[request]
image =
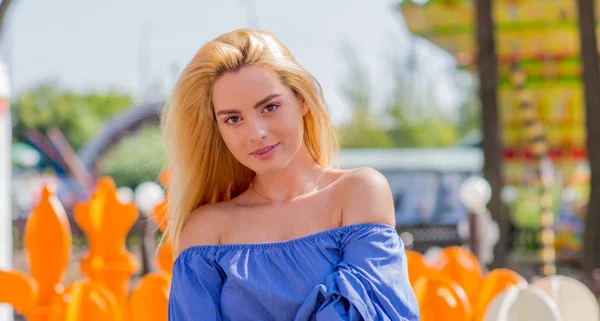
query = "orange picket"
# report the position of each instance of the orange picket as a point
(86, 301)
(417, 267)
(48, 244)
(494, 283)
(165, 255)
(106, 223)
(462, 267)
(48, 247)
(442, 299)
(150, 298)
(20, 291)
(165, 258)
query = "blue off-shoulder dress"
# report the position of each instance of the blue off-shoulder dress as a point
(354, 272)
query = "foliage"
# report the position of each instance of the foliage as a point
(78, 116)
(364, 128)
(136, 158)
(416, 119)
(469, 111)
(413, 117)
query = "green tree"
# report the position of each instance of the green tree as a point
(415, 116)
(411, 116)
(364, 128)
(364, 131)
(469, 109)
(136, 158)
(78, 115)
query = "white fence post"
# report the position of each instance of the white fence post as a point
(6, 246)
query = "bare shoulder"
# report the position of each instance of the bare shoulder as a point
(366, 197)
(203, 226)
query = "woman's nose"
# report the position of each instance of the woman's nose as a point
(258, 130)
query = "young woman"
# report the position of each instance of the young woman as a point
(263, 228)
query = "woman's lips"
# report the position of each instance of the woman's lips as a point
(265, 152)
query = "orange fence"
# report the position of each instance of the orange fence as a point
(453, 287)
(103, 294)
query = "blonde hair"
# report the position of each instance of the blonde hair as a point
(202, 170)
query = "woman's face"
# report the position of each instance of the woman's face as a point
(259, 118)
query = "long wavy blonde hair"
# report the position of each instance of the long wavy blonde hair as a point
(202, 170)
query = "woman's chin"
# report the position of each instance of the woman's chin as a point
(269, 166)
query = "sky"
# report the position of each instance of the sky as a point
(114, 44)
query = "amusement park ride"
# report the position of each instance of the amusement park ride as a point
(540, 40)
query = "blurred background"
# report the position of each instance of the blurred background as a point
(431, 93)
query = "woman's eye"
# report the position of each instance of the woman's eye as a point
(271, 108)
(232, 120)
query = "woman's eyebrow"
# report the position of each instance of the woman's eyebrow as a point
(258, 104)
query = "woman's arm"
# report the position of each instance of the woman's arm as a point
(371, 281)
(197, 279)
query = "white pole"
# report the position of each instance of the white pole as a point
(6, 313)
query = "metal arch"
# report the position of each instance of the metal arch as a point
(121, 125)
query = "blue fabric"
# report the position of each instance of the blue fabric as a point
(355, 272)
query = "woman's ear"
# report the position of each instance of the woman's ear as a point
(303, 105)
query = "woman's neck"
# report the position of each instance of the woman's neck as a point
(297, 179)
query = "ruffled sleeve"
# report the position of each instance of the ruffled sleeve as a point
(369, 283)
(196, 285)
